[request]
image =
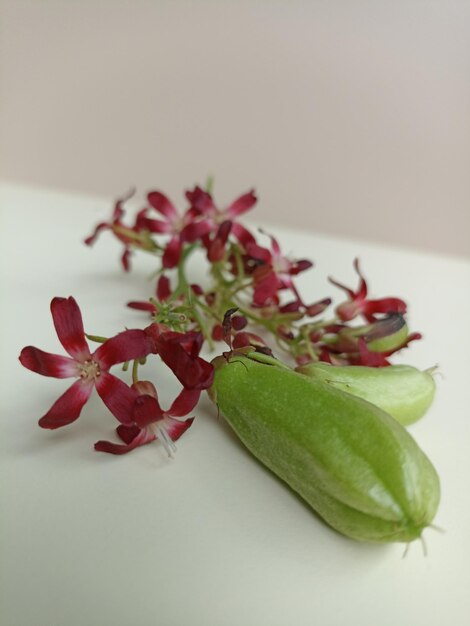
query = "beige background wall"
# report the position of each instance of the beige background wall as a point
(349, 117)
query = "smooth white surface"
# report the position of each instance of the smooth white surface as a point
(209, 538)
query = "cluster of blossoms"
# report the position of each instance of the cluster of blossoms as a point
(252, 288)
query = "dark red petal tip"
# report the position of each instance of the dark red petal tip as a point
(67, 408)
(68, 323)
(48, 364)
(184, 403)
(162, 204)
(132, 436)
(176, 428)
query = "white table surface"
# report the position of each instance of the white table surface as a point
(209, 538)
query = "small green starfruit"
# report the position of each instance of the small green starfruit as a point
(354, 464)
(403, 391)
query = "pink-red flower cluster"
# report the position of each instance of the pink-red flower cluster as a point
(252, 287)
(179, 351)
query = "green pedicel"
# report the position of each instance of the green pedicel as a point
(404, 392)
(354, 464)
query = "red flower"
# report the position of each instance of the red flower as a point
(151, 422)
(90, 369)
(273, 273)
(202, 203)
(180, 228)
(119, 229)
(359, 304)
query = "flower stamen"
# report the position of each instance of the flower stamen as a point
(89, 370)
(162, 434)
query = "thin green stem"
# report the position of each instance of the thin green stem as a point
(135, 371)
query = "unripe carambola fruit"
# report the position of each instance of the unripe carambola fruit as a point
(405, 392)
(355, 465)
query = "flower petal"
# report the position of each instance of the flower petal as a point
(191, 341)
(117, 396)
(127, 433)
(184, 403)
(155, 226)
(125, 346)
(242, 204)
(176, 428)
(348, 310)
(118, 212)
(275, 247)
(216, 249)
(179, 351)
(291, 307)
(243, 235)
(350, 292)
(362, 290)
(172, 253)
(266, 285)
(162, 204)
(145, 388)
(196, 230)
(69, 327)
(299, 266)
(317, 307)
(48, 364)
(152, 333)
(201, 201)
(126, 259)
(146, 411)
(90, 240)
(384, 305)
(141, 438)
(68, 407)
(259, 253)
